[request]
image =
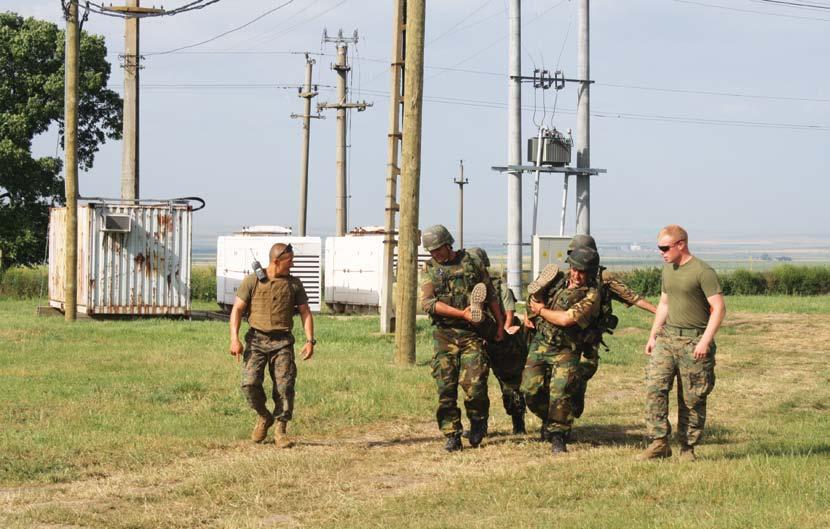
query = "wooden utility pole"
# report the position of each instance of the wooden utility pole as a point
(132, 66)
(71, 67)
(387, 318)
(306, 93)
(342, 68)
(410, 184)
(461, 183)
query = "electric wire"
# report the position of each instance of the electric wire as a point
(263, 15)
(741, 10)
(793, 4)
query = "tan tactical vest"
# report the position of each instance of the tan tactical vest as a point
(272, 305)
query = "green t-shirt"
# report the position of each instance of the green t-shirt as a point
(688, 286)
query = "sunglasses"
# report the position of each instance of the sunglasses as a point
(667, 248)
(287, 249)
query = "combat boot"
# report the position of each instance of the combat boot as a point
(281, 439)
(518, 423)
(687, 453)
(558, 445)
(263, 422)
(477, 297)
(453, 443)
(544, 434)
(543, 280)
(658, 449)
(478, 429)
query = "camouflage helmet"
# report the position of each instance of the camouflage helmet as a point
(582, 241)
(435, 237)
(481, 254)
(584, 259)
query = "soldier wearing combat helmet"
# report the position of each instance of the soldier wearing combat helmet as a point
(569, 307)
(453, 290)
(273, 300)
(609, 288)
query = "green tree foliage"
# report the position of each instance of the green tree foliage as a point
(31, 100)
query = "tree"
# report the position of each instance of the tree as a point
(31, 100)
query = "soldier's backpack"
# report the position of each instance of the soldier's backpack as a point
(606, 321)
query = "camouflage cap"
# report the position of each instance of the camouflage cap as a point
(435, 237)
(584, 259)
(481, 254)
(582, 241)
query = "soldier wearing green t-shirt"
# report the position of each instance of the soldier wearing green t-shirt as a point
(681, 345)
(270, 342)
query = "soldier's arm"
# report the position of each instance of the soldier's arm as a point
(624, 294)
(644, 304)
(235, 321)
(715, 319)
(582, 313)
(431, 305)
(659, 320)
(308, 327)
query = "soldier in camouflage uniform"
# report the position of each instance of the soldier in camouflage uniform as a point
(454, 288)
(571, 303)
(270, 342)
(610, 289)
(682, 346)
(507, 357)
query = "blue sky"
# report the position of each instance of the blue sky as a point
(678, 149)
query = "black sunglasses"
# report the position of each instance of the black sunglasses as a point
(287, 249)
(667, 248)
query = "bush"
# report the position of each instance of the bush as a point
(23, 282)
(203, 283)
(644, 281)
(799, 280)
(744, 283)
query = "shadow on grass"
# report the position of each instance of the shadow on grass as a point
(776, 450)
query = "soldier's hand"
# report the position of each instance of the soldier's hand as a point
(650, 345)
(512, 329)
(535, 306)
(701, 350)
(468, 314)
(236, 349)
(529, 323)
(308, 351)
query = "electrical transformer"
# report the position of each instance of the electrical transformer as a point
(556, 149)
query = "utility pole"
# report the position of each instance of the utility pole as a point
(132, 65)
(583, 123)
(461, 183)
(410, 184)
(342, 68)
(387, 318)
(306, 93)
(514, 150)
(73, 41)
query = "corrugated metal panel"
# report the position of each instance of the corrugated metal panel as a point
(145, 270)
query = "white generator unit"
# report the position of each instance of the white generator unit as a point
(549, 249)
(354, 271)
(235, 254)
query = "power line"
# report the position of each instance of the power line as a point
(739, 10)
(793, 4)
(263, 15)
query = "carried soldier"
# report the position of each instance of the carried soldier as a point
(454, 290)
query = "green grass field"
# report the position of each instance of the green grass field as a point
(140, 424)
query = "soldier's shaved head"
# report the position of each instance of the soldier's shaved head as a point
(675, 231)
(278, 251)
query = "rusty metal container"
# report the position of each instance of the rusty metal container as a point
(132, 259)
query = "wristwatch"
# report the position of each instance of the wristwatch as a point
(313, 341)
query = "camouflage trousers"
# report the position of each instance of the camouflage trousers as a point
(459, 359)
(587, 368)
(276, 353)
(672, 357)
(507, 360)
(548, 382)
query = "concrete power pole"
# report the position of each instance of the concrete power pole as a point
(410, 184)
(461, 183)
(306, 93)
(342, 68)
(132, 65)
(583, 123)
(71, 160)
(387, 319)
(514, 150)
